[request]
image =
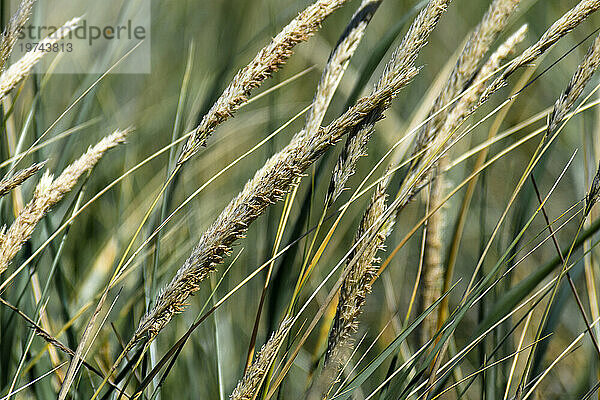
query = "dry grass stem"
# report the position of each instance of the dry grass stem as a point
(48, 193)
(22, 68)
(40, 331)
(276, 177)
(576, 85)
(267, 61)
(9, 183)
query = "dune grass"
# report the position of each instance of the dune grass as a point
(396, 200)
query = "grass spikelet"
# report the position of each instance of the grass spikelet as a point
(471, 98)
(576, 85)
(354, 290)
(276, 177)
(402, 63)
(560, 28)
(22, 68)
(9, 183)
(338, 62)
(358, 281)
(48, 192)
(267, 61)
(478, 44)
(355, 147)
(248, 386)
(467, 104)
(11, 32)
